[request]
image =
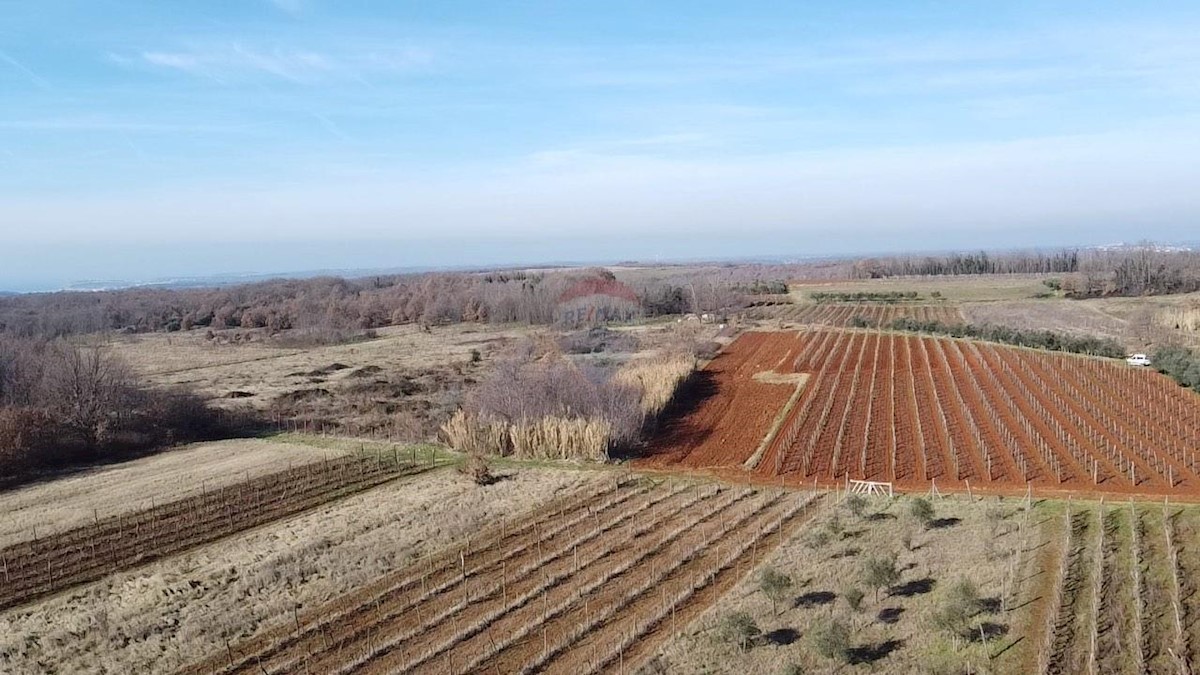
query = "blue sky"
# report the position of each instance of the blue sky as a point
(471, 132)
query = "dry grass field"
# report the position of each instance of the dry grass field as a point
(167, 614)
(1138, 323)
(79, 498)
(987, 542)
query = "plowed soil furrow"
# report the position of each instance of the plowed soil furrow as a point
(977, 387)
(968, 452)
(939, 446)
(683, 597)
(1069, 650)
(1038, 433)
(89, 553)
(910, 451)
(824, 461)
(1038, 395)
(1115, 642)
(557, 615)
(808, 414)
(508, 549)
(1074, 417)
(401, 644)
(1138, 426)
(849, 431)
(616, 605)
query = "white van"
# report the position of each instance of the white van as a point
(1138, 360)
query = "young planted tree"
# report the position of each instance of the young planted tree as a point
(739, 628)
(922, 511)
(959, 605)
(775, 585)
(831, 640)
(880, 572)
(854, 597)
(857, 504)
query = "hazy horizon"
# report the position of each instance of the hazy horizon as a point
(140, 141)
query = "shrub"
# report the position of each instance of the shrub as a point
(959, 605)
(880, 572)
(857, 504)
(1180, 364)
(477, 469)
(739, 628)
(921, 511)
(775, 585)
(818, 538)
(1040, 339)
(854, 597)
(831, 639)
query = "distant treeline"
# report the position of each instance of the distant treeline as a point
(983, 262)
(63, 404)
(1040, 339)
(1141, 270)
(334, 309)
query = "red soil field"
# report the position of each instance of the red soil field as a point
(843, 314)
(917, 410)
(588, 583)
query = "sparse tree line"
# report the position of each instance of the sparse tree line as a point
(1040, 339)
(327, 310)
(887, 297)
(62, 404)
(1140, 270)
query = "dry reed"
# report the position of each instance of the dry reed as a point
(1182, 318)
(546, 438)
(657, 379)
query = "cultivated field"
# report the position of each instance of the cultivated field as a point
(916, 410)
(849, 314)
(58, 561)
(165, 614)
(77, 499)
(992, 543)
(592, 582)
(1122, 592)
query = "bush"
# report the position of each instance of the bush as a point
(831, 640)
(854, 597)
(880, 572)
(857, 504)
(477, 469)
(739, 628)
(921, 511)
(775, 585)
(959, 605)
(1040, 339)
(1180, 364)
